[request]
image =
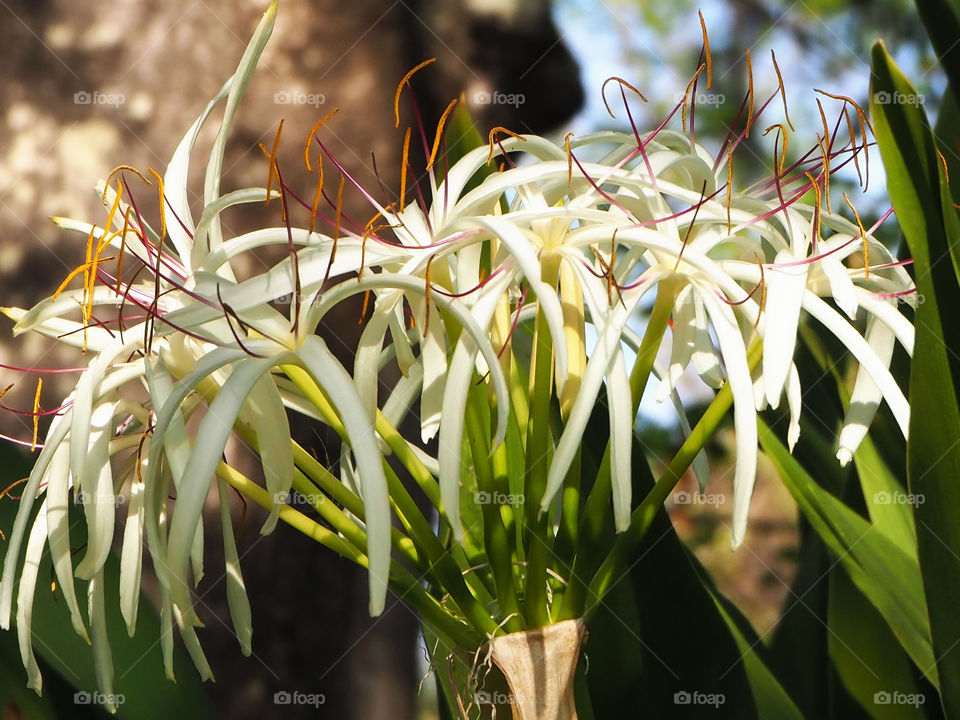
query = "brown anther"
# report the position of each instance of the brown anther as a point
(706, 50)
(404, 81)
(491, 140)
(439, 136)
(623, 83)
(310, 135)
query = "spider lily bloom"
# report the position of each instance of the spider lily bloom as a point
(190, 331)
(579, 234)
(659, 211)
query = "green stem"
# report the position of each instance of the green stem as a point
(495, 539)
(596, 514)
(402, 582)
(643, 515)
(441, 564)
(538, 543)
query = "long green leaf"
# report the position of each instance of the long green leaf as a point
(882, 571)
(924, 208)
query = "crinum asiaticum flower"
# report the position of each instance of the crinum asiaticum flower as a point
(576, 234)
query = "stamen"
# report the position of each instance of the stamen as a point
(783, 89)
(783, 150)
(750, 91)
(403, 168)
(864, 123)
(706, 50)
(336, 230)
(317, 193)
(686, 237)
(566, 144)
(816, 211)
(36, 415)
(439, 136)
(163, 215)
(729, 187)
(313, 131)
(825, 147)
(623, 83)
(501, 130)
(272, 158)
(426, 315)
(123, 247)
(404, 81)
(363, 312)
(118, 169)
(686, 93)
(853, 145)
(863, 235)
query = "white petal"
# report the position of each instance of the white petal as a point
(744, 415)
(237, 598)
(337, 385)
(28, 583)
(866, 396)
(785, 289)
(131, 558)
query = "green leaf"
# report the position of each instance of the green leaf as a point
(867, 657)
(929, 222)
(883, 572)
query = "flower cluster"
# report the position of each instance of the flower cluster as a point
(454, 284)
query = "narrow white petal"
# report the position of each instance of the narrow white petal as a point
(237, 598)
(102, 656)
(865, 355)
(866, 395)
(131, 558)
(266, 413)
(211, 438)
(28, 583)
(744, 415)
(95, 493)
(785, 288)
(336, 383)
